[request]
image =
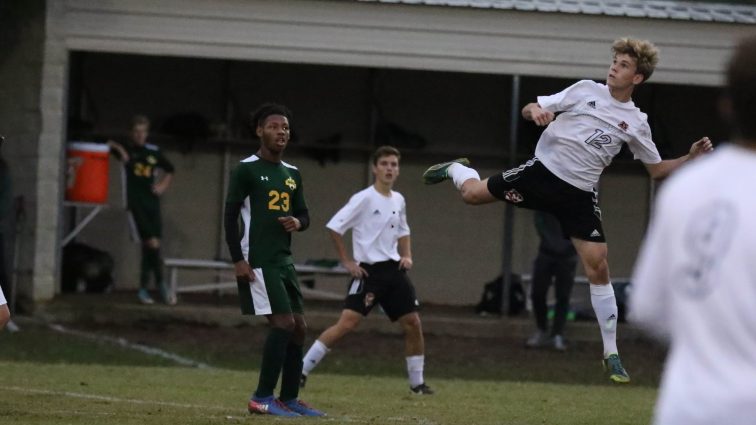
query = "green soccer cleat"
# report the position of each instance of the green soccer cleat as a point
(617, 373)
(437, 173)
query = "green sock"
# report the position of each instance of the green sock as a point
(156, 264)
(144, 269)
(274, 352)
(292, 371)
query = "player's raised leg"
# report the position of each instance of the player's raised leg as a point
(594, 258)
(347, 322)
(473, 190)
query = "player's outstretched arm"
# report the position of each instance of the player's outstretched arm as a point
(534, 112)
(663, 169)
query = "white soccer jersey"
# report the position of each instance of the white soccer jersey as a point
(377, 223)
(2, 297)
(695, 281)
(589, 133)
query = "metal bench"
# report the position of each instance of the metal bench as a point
(174, 264)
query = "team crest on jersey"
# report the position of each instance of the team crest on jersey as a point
(623, 125)
(513, 196)
(151, 159)
(291, 183)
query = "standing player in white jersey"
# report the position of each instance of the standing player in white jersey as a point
(4, 312)
(381, 257)
(574, 149)
(695, 280)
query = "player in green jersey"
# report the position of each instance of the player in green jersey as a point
(268, 194)
(148, 175)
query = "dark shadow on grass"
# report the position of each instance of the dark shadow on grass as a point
(378, 354)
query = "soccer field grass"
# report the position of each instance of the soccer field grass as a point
(51, 378)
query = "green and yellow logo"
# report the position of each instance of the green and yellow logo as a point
(152, 160)
(291, 183)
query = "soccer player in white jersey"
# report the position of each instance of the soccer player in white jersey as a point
(381, 257)
(576, 146)
(4, 312)
(695, 279)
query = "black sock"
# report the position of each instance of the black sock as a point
(292, 371)
(274, 354)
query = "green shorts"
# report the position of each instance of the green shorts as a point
(275, 290)
(145, 220)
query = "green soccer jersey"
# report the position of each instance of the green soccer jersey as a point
(267, 191)
(140, 173)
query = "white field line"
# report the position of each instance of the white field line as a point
(122, 342)
(337, 419)
(111, 399)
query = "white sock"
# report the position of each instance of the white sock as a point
(460, 174)
(314, 355)
(415, 365)
(605, 307)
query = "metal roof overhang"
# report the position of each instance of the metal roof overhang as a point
(384, 35)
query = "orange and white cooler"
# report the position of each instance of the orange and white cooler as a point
(87, 172)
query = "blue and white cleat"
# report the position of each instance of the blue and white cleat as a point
(269, 406)
(299, 406)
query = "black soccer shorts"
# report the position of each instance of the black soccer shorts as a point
(533, 186)
(386, 285)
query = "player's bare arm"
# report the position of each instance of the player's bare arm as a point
(534, 112)
(122, 154)
(290, 224)
(664, 168)
(354, 268)
(405, 253)
(243, 270)
(161, 186)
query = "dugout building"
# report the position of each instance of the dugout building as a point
(437, 78)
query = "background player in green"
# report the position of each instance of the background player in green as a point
(148, 175)
(268, 193)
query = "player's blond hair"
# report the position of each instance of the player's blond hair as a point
(644, 52)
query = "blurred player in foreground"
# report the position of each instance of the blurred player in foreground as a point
(695, 280)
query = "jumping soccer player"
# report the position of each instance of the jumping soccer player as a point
(381, 258)
(269, 195)
(574, 149)
(148, 176)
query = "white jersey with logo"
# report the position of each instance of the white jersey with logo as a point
(589, 133)
(377, 223)
(2, 297)
(695, 281)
